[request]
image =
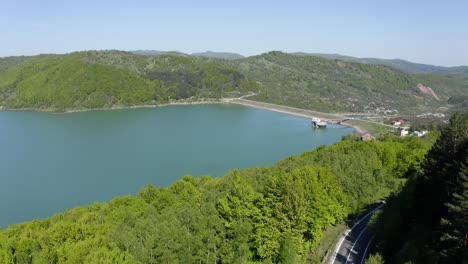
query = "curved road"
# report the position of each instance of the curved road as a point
(354, 243)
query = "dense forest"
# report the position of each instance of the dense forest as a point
(406, 66)
(274, 214)
(104, 79)
(426, 221)
(334, 85)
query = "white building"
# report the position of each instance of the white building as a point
(420, 133)
(403, 132)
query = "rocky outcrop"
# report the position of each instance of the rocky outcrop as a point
(427, 91)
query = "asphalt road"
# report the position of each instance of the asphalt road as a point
(354, 243)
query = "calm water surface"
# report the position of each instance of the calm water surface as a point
(49, 162)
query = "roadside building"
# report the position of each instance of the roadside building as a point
(420, 133)
(403, 131)
(398, 122)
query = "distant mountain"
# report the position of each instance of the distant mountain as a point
(158, 53)
(103, 79)
(317, 83)
(219, 55)
(207, 54)
(407, 66)
(9, 62)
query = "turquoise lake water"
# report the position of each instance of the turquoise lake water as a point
(51, 162)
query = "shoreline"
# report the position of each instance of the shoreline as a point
(55, 112)
(295, 112)
(213, 101)
(239, 101)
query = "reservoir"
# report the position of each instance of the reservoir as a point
(51, 162)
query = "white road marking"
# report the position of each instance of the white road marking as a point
(365, 251)
(349, 230)
(351, 251)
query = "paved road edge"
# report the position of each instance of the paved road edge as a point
(345, 233)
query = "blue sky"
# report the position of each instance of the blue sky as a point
(434, 32)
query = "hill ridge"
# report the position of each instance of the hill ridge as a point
(111, 78)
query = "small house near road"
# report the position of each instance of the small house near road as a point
(398, 122)
(404, 131)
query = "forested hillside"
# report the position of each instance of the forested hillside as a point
(9, 62)
(104, 79)
(274, 214)
(335, 85)
(427, 220)
(406, 66)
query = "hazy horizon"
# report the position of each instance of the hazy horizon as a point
(427, 32)
(190, 53)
